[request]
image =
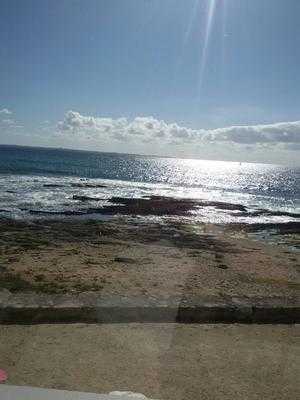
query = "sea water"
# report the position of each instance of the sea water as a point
(44, 179)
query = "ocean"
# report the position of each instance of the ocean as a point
(40, 179)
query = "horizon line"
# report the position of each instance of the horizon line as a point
(139, 155)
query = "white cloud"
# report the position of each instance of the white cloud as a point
(76, 123)
(142, 128)
(146, 129)
(7, 122)
(5, 111)
(283, 132)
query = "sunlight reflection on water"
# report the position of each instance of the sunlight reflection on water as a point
(25, 180)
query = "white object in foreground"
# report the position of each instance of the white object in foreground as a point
(8, 392)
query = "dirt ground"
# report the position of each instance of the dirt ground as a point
(133, 259)
(163, 361)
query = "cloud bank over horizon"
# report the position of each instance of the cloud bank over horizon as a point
(150, 129)
(5, 111)
(275, 143)
(7, 121)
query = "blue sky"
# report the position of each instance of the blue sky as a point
(193, 67)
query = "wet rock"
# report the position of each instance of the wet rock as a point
(43, 212)
(53, 185)
(269, 213)
(223, 206)
(86, 198)
(158, 205)
(87, 185)
(154, 205)
(283, 228)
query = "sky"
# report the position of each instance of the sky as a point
(208, 79)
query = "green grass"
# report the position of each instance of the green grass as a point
(279, 282)
(15, 283)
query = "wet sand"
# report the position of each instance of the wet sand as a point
(134, 257)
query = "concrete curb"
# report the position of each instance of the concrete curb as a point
(11, 392)
(93, 308)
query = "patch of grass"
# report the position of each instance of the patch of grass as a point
(25, 242)
(279, 282)
(87, 287)
(49, 288)
(14, 283)
(39, 278)
(30, 242)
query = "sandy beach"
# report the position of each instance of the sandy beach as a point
(133, 257)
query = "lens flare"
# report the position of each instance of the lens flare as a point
(191, 22)
(207, 34)
(186, 37)
(205, 20)
(224, 40)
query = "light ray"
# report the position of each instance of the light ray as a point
(191, 22)
(207, 34)
(187, 35)
(224, 39)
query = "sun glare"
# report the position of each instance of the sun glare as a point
(207, 34)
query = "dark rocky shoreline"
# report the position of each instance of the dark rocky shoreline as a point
(163, 206)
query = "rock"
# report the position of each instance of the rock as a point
(282, 228)
(43, 212)
(269, 213)
(85, 198)
(2, 269)
(53, 185)
(126, 260)
(160, 205)
(87, 185)
(222, 266)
